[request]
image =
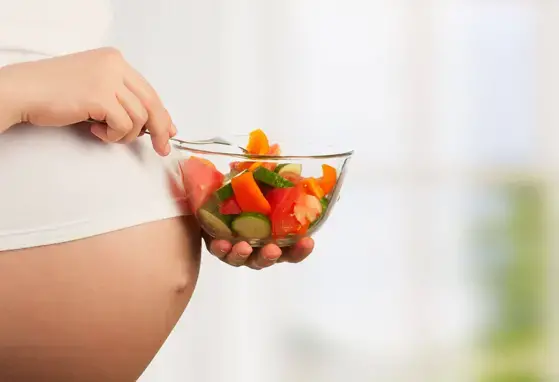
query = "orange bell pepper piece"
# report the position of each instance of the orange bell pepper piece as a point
(258, 143)
(312, 187)
(248, 194)
(328, 180)
(254, 166)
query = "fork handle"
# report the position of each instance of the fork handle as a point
(142, 132)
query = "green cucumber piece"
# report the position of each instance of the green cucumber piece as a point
(271, 178)
(289, 167)
(225, 192)
(324, 202)
(217, 223)
(252, 226)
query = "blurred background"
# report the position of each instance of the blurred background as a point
(440, 261)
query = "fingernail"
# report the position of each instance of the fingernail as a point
(167, 148)
(274, 256)
(243, 257)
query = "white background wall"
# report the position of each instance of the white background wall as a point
(430, 94)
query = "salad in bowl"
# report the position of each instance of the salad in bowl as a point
(259, 195)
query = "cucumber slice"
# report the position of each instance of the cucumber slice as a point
(290, 167)
(217, 223)
(271, 178)
(252, 226)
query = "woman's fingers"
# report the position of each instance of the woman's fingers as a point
(264, 258)
(220, 248)
(299, 251)
(159, 122)
(118, 122)
(136, 111)
(239, 254)
(243, 254)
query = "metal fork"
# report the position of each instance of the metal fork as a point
(210, 141)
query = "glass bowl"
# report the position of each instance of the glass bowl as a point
(260, 199)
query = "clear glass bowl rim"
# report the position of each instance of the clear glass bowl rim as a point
(198, 148)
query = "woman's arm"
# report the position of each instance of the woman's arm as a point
(97, 84)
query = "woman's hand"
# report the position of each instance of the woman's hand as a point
(242, 254)
(97, 84)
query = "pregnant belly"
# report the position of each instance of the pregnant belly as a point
(96, 309)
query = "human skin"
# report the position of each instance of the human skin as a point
(99, 308)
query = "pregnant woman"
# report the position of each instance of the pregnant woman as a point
(97, 262)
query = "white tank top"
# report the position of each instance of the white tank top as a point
(62, 184)
(54, 27)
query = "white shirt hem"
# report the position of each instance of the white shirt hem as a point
(105, 223)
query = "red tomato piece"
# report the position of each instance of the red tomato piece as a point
(230, 207)
(275, 150)
(277, 195)
(285, 224)
(269, 166)
(292, 177)
(283, 220)
(200, 179)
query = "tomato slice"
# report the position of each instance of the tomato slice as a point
(276, 195)
(292, 177)
(283, 225)
(274, 150)
(200, 180)
(230, 207)
(283, 219)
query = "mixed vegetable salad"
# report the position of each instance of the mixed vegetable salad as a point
(257, 200)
